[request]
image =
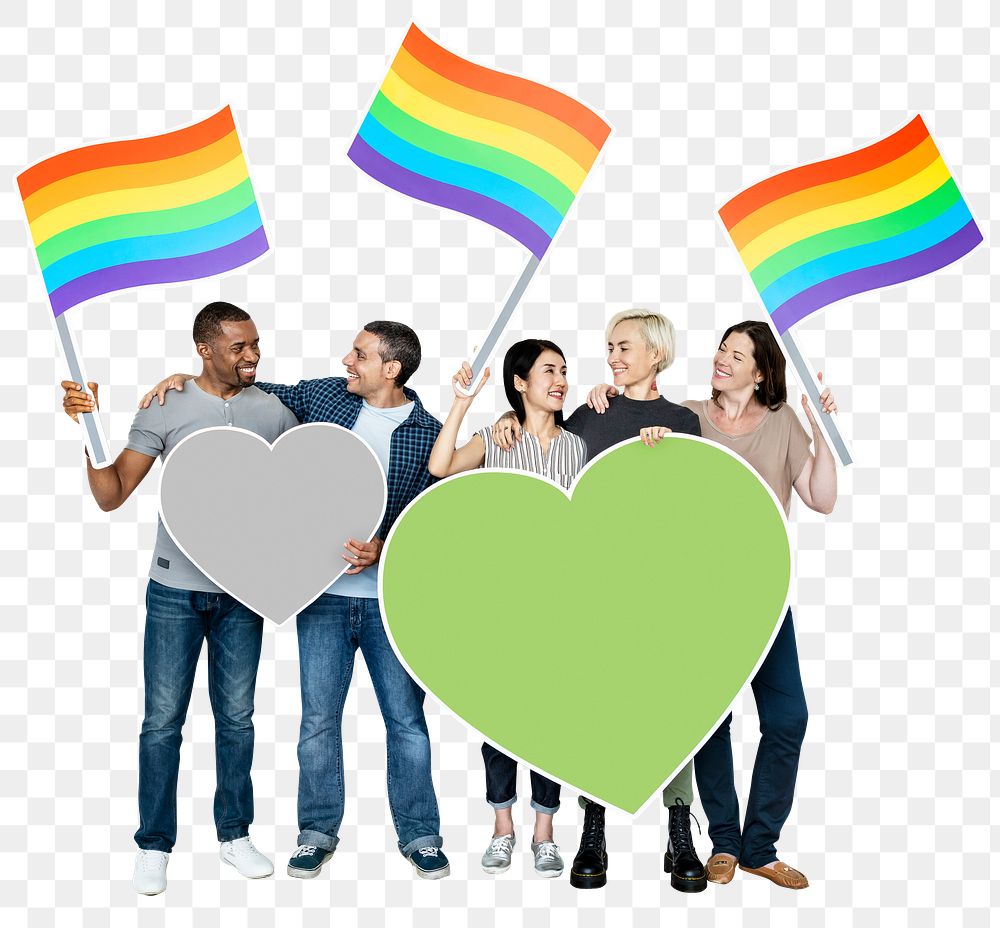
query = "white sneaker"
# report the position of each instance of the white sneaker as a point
(496, 859)
(242, 855)
(150, 876)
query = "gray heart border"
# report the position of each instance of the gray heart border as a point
(271, 446)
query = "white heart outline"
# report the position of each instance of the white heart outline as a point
(271, 446)
(674, 436)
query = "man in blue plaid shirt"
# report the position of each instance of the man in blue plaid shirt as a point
(373, 402)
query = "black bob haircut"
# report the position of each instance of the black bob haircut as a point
(518, 361)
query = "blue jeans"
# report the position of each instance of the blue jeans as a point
(177, 622)
(781, 707)
(501, 783)
(330, 630)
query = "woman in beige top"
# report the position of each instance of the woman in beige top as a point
(748, 414)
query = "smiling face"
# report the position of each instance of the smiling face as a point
(366, 371)
(231, 358)
(631, 360)
(545, 387)
(733, 368)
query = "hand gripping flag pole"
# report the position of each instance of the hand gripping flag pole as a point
(94, 438)
(499, 148)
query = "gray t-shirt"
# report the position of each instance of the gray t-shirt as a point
(157, 430)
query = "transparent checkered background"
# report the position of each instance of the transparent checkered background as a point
(894, 818)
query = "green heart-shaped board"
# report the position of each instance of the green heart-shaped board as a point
(598, 638)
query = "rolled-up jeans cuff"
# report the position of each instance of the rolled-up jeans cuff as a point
(318, 839)
(506, 804)
(546, 810)
(157, 844)
(427, 841)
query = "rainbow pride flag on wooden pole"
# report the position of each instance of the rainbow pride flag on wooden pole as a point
(499, 148)
(872, 218)
(123, 214)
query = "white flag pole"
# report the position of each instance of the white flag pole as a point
(810, 385)
(501, 320)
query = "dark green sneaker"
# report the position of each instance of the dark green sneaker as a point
(307, 861)
(430, 863)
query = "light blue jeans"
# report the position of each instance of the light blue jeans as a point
(330, 631)
(178, 622)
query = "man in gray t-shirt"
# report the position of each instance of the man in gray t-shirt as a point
(157, 429)
(184, 608)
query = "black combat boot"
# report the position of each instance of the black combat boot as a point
(686, 872)
(590, 866)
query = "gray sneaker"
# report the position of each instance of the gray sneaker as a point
(498, 854)
(548, 863)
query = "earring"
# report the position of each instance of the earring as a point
(756, 388)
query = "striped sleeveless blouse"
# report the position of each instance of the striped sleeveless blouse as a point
(565, 459)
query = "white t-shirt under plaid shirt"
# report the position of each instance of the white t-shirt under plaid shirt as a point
(565, 458)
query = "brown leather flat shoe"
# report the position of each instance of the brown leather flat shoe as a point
(721, 868)
(781, 874)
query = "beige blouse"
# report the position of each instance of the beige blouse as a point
(777, 449)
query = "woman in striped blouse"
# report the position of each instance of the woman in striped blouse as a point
(534, 379)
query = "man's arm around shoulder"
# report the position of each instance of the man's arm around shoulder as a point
(299, 397)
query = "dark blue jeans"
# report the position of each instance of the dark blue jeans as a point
(330, 631)
(501, 783)
(781, 707)
(177, 622)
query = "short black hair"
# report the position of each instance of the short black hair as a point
(208, 323)
(397, 342)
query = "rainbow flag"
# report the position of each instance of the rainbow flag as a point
(156, 210)
(503, 149)
(871, 218)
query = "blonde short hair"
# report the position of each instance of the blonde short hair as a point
(657, 332)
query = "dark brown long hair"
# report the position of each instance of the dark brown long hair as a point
(767, 358)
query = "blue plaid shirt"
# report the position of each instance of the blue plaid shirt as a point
(328, 400)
